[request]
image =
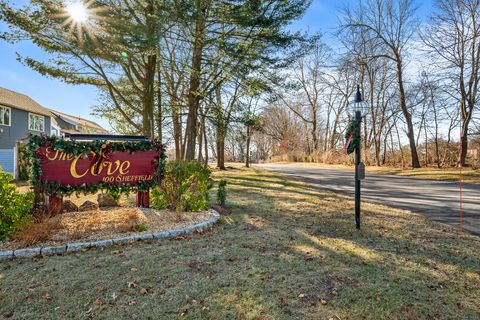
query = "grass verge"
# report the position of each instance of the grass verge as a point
(288, 251)
(448, 174)
(452, 174)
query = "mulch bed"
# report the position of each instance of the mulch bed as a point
(106, 223)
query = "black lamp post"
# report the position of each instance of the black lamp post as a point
(358, 106)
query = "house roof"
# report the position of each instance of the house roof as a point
(20, 101)
(80, 121)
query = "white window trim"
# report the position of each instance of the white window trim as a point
(57, 129)
(38, 115)
(9, 118)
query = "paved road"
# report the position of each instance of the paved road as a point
(438, 200)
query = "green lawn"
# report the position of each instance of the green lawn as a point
(288, 251)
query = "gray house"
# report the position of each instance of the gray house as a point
(19, 115)
(63, 123)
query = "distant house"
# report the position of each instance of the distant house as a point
(21, 115)
(64, 123)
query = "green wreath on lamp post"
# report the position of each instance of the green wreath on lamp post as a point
(352, 136)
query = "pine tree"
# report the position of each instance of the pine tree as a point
(113, 46)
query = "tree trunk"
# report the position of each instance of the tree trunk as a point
(247, 156)
(377, 150)
(437, 153)
(365, 140)
(399, 144)
(220, 149)
(426, 145)
(148, 99)
(407, 115)
(462, 161)
(177, 130)
(200, 138)
(314, 131)
(193, 92)
(205, 143)
(466, 118)
(159, 105)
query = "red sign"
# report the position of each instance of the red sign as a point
(113, 168)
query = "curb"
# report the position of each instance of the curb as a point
(81, 246)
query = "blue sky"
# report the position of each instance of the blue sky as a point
(78, 100)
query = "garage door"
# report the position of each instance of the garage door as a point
(7, 160)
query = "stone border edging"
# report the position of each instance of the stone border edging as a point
(79, 246)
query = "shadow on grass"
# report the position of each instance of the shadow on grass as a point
(288, 251)
(430, 255)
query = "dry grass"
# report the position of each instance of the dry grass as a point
(448, 174)
(128, 225)
(96, 225)
(288, 251)
(468, 175)
(35, 233)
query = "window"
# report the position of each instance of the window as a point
(5, 115)
(36, 122)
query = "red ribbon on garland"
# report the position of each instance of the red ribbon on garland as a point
(345, 148)
(352, 136)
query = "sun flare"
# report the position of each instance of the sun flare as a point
(78, 11)
(80, 18)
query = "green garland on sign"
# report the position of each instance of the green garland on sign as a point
(353, 130)
(83, 148)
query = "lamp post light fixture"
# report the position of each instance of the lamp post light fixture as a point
(356, 107)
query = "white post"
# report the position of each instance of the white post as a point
(15, 161)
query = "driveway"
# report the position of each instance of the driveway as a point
(439, 200)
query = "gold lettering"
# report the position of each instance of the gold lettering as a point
(97, 168)
(73, 169)
(124, 167)
(109, 170)
(48, 150)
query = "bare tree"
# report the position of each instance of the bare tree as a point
(391, 25)
(453, 36)
(307, 75)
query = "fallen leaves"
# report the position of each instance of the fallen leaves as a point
(89, 313)
(114, 298)
(190, 300)
(409, 314)
(232, 259)
(266, 277)
(181, 238)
